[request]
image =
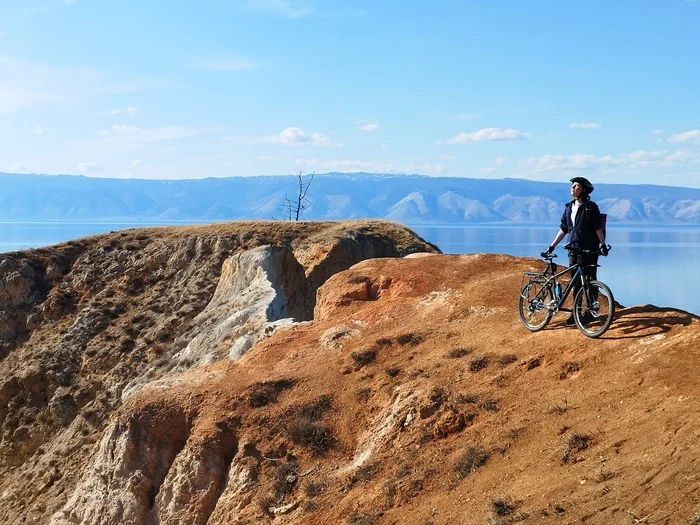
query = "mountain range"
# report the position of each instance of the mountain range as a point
(413, 199)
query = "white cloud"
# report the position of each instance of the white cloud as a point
(38, 130)
(346, 165)
(285, 8)
(499, 160)
(488, 134)
(138, 163)
(293, 136)
(370, 127)
(131, 111)
(89, 167)
(634, 160)
(585, 125)
(225, 63)
(686, 136)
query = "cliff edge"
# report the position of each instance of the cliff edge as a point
(86, 324)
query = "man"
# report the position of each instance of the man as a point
(581, 220)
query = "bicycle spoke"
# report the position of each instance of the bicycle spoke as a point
(594, 307)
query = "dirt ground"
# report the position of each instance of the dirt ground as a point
(415, 396)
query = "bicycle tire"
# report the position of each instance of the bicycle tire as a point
(532, 306)
(600, 317)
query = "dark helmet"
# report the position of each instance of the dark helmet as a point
(585, 183)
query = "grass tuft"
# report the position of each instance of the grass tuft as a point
(575, 443)
(458, 352)
(360, 518)
(409, 339)
(392, 371)
(507, 359)
(313, 489)
(364, 358)
(266, 392)
(603, 475)
(470, 460)
(505, 506)
(478, 363)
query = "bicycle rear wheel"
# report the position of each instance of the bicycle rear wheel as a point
(532, 306)
(594, 314)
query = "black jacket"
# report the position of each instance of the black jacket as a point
(588, 220)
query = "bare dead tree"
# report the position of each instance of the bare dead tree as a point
(292, 207)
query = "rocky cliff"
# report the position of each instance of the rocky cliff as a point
(85, 324)
(412, 396)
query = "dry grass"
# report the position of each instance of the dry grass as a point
(470, 460)
(315, 436)
(360, 518)
(478, 363)
(490, 404)
(285, 478)
(507, 359)
(458, 352)
(314, 489)
(364, 357)
(575, 443)
(266, 392)
(392, 371)
(466, 399)
(568, 369)
(503, 511)
(603, 475)
(363, 473)
(409, 339)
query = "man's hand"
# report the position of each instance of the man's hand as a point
(604, 249)
(547, 252)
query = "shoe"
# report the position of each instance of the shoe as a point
(587, 318)
(570, 321)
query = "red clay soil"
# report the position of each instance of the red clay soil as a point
(415, 396)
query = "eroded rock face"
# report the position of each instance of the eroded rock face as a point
(258, 290)
(87, 323)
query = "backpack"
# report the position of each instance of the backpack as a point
(603, 219)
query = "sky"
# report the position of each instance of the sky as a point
(541, 90)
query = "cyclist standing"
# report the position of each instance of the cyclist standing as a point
(582, 221)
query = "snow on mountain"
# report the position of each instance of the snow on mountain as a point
(410, 199)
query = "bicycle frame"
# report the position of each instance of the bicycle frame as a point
(549, 283)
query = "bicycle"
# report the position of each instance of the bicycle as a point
(541, 297)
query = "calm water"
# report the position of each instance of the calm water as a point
(646, 265)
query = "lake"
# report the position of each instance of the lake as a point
(648, 264)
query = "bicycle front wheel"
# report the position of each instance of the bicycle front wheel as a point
(594, 308)
(532, 308)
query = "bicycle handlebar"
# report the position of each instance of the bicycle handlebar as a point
(548, 256)
(586, 252)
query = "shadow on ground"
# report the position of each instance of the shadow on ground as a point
(641, 321)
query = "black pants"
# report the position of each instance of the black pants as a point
(590, 271)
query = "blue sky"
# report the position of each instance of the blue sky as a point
(540, 90)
